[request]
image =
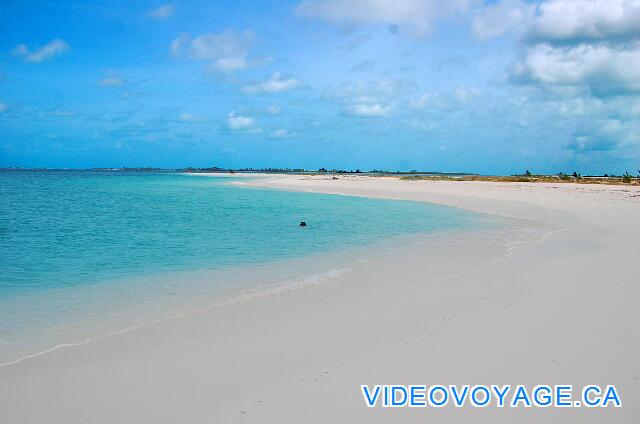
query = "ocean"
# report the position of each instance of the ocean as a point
(85, 254)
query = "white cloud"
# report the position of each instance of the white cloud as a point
(275, 84)
(421, 124)
(384, 90)
(225, 52)
(112, 81)
(237, 122)
(465, 94)
(177, 44)
(228, 44)
(229, 64)
(281, 133)
(605, 70)
(417, 14)
(48, 51)
(506, 15)
(191, 118)
(579, 46)
(162, 13)
(562, 20)
(373, 98)
(369, 110)
(603, 135)
(274, 110)
(21, 50)
(3, 107)
(421, 101)
(444, 101)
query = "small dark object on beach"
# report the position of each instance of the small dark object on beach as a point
(303, 224)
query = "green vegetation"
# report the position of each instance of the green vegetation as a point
(529, 177)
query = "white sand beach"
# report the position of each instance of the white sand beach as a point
(560, 309)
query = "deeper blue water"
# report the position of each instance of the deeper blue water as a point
(64, 232)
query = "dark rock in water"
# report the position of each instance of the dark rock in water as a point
(303, 224)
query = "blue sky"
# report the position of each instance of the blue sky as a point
(461, 85)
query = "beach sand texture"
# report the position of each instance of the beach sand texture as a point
(560, 309)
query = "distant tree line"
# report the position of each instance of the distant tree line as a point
(626, 177)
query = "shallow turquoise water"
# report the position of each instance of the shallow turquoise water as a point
(74, 228)
(84, 253)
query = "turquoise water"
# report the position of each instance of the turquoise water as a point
(75, 245)
(74, 228)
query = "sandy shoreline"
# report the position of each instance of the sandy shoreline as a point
(562, 311)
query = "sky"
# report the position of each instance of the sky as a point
(493, 87)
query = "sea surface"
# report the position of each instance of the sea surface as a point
(85, 254)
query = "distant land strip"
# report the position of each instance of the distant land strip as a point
(413, 175)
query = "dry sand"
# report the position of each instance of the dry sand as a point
(563, 309)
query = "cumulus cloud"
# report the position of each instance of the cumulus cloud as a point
(587, 143)
(48, 51)
(603, 135)
(421, 124)
(237, 122)
(419, 15)
(162, 13)
(228, 64)
(281, 133)
(376, 91)
(112, 81)
(276, 84)
(501, 17)
(578, 46)
(178, 44)
(603, 69)
(442, 100)
(227, 44)
(420, 101)
(224, 52)
(575, 20)
(369, 110)
(373, 98)
(465, 94)
(274, 110)
(559, 21)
